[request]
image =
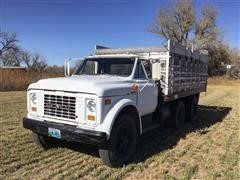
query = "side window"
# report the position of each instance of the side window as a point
(139, 73)
(90, 68)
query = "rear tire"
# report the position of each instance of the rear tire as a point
(191, 108)
(178, 114)
(122, 142)
(43, 141)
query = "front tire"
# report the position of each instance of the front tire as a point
(43, 141)
(122, 142)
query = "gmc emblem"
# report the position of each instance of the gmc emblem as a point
(57, 106)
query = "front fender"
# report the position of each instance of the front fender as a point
(107, 124)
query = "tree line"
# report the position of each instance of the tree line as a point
(11, 54)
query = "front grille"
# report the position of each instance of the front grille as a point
(60, 106)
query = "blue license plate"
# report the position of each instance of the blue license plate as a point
(56, 133)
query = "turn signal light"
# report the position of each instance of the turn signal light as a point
(134, 87)
(107, 101)
(91, 118)
(34, 109)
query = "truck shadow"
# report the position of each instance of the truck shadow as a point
(166, 138)
(163, 138)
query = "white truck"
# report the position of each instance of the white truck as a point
(116, 95)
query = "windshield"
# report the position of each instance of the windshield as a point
(112, 66)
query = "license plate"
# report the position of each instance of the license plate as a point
(56, 133)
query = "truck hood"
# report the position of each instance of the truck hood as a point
(101, 85)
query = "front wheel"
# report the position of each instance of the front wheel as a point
(43, 141)
(122, 142)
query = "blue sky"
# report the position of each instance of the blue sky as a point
(59, 29)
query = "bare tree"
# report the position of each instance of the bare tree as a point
(181, 25)
(206, 32)
(12, 55)
(26, 58)
(175, 23)
(38, 63)
(10, 58)
(8, 42)
(34, 62)
(9, 51)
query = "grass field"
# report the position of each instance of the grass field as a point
(206, 149)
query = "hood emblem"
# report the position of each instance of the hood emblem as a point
(57, 106)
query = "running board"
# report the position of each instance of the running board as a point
(150, 127)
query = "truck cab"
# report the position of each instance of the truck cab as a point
(86, 106)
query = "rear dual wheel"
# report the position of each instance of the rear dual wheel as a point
(191, 108)
(178, 114)
(182, 112)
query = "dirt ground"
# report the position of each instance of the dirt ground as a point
(206, 149)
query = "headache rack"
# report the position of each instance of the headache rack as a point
(181, 70)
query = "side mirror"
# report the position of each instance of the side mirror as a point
(67, 67)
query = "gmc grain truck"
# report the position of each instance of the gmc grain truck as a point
(116, 95)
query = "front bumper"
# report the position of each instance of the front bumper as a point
(68, 132)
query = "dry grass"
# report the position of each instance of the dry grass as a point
(12, 78)
(223, 81)
(206, 149)
(15, 81)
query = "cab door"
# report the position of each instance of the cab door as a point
(147, 90)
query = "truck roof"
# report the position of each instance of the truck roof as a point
(112, 56)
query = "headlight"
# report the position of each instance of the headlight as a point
(91, 105)
(33, 98)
